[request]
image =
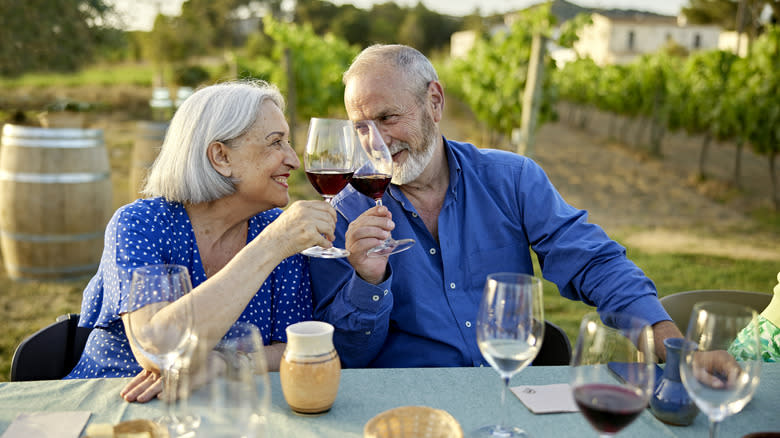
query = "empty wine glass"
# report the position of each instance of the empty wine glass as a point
(373, 172)
(159, 331)
(510, 329)
(719, 384)
(239, 396)
(328, 160)
(612, 370)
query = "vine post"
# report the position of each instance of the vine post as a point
(291, 97)
(532, 96)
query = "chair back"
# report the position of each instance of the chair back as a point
(51, 352)
(679, 305)
(556, 348)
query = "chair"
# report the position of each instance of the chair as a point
(679, 305)
(556, 348)
(51, 352)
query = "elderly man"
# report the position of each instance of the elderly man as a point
(472, 212)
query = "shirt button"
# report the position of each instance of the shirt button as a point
(452, 285)
(468, 323)
(375, 298)
(432, 251)
(368, 333)
(414, 214)
(386, 291)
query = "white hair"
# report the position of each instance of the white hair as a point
(418, 69)
(182, 171)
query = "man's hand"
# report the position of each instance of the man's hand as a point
(716, 369)
(661, 331)
(364, 233)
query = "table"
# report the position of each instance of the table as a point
(471, 395)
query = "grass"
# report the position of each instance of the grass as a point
(134, 74)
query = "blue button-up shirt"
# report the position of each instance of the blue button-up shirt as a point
(498, 206)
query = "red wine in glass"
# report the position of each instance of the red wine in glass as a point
(329, 163)
(329, 182)
(608, 408)
(372, 185)
(374, 166)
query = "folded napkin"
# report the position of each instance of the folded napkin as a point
(546, 399)
(66, 424)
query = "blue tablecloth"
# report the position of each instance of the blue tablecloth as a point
(471, 395)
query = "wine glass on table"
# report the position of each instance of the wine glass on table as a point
(239, 391)
(373, 172)
(612, 370)
(510, 329)
(328, 160)
(160, 330)
(719, 383)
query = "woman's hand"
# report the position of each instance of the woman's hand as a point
(302, 225)
(148, 384)
(144, 387)
(364, 233)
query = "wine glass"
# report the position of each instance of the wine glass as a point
(328, 160)
(612, 370)
(240, 393)
(374, 170)
(158, 330)
(719, 383)
(510, 329)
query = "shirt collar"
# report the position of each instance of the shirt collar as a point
(453, 163)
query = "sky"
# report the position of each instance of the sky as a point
(139, 14)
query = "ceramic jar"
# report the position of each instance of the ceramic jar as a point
(310, 368)
(670, 402)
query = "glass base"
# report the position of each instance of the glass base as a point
(330, 253)
(499, 432)
(390, 246)
(181, 426)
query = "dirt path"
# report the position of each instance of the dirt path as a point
(652, 203)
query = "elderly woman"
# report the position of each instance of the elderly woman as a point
(213, 198)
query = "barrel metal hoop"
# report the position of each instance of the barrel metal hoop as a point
(18, 131)
(54, 178)
(51, 143)
(50, 238)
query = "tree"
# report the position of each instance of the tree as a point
(740, 15)
(50, 35)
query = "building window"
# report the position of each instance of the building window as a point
(697, 41)
(630, 40)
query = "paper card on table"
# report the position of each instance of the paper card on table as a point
(546, 399)
(65, 424)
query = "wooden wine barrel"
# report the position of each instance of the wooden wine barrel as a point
(149, 138)
(55, 201)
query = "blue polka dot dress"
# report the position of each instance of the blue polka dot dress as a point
(154, 231)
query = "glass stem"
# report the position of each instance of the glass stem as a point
(714, 428)
(504, 424)
(170, 380)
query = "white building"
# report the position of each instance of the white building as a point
(619, 39)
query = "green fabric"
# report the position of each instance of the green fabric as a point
(769, 340)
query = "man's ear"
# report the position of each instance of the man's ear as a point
(436, 95)
(219, 156)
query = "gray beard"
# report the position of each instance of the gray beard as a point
(416, 162)
(414, 165)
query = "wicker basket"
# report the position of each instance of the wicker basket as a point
(413, 422)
